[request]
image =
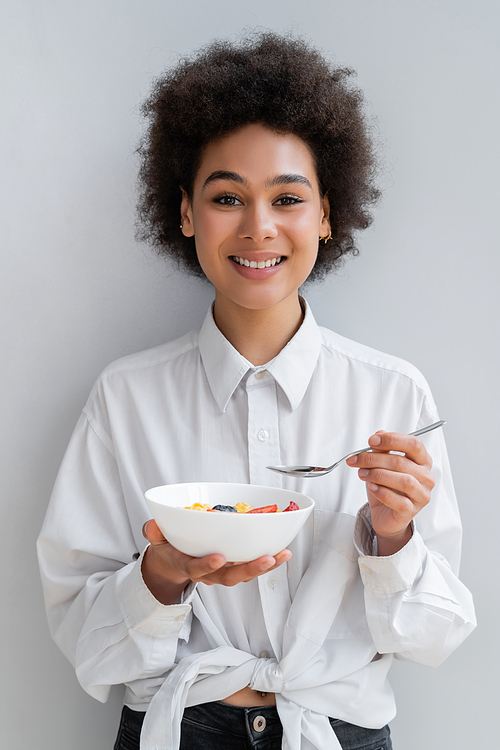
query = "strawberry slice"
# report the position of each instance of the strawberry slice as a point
(292, 506)
(265, 509)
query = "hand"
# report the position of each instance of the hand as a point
(398, 487)
(166, 571)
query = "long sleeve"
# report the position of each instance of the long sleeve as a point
(100, 612)
(193, 411)
(416, 606)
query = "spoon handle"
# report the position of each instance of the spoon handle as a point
(421, 431)
(429, 427)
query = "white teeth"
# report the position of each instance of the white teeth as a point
(255, 264)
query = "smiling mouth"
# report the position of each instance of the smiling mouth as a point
(258, 264)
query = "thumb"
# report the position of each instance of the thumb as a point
(152, 533)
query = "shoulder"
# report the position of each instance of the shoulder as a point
(157, 356)
(369, 361)
(136, 370)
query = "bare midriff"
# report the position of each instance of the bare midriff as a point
(248, 698)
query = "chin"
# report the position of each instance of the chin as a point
(263, 301)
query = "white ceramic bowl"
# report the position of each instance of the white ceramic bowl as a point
(240, 537)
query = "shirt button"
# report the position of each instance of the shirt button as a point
(366, 568)
(272, 582)
(263, 435)
(259, 723)
(261, 374)
(264, 655)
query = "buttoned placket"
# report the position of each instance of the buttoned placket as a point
(263, 451)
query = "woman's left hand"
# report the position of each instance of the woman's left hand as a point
(398, 486)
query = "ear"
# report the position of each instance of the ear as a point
(186, 215)
(324, 224)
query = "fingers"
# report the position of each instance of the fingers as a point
(408, 474)
(171, 564)
(400, 483)
(410, 445)
(245, 572)
(267, 564)
(231, 575)
(211, 569)
(400, 492)
(152, 533)
(200, 568)
(375, 467)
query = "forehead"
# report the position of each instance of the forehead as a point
(258, 153)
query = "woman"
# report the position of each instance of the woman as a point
(256, 171)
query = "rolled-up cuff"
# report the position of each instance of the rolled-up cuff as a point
(143, 612)
(386, 575)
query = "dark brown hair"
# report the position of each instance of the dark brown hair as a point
(275, 80)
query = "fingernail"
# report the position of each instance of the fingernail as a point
(266, 566)
(352, 460)
(363, 472)
(144, 533)
(375, 440)
(373, 487)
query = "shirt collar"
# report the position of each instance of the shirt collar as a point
(292, 368)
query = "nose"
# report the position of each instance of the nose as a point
(257, 223)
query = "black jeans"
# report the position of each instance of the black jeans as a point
(219, 726)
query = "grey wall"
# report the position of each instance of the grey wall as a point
(78, 292)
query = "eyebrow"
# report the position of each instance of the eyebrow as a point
(221, 174)
(288, 179)
(280, 179)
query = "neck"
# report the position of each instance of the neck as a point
(258, 335)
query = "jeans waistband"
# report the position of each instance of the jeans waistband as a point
(243, 721)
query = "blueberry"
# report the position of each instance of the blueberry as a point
(225, 508)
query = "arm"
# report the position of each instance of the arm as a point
(167, 572)
(398, 486)
(409, 539)
(101, 614)
(117, 618)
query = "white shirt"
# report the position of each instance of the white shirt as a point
(321, 630)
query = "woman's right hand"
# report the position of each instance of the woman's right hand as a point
(167, 572)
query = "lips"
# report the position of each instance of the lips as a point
(258, 263)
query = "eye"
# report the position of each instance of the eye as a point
(227, 200)
(287, 200)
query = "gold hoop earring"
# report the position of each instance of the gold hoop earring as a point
(329, 237)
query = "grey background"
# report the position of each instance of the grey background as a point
(78, 292)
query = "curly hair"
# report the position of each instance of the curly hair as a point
(280, 82)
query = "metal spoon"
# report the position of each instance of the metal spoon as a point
(319, 471)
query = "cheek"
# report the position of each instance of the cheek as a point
(212, 229)
(206, 258)
(203, 224)
(210, 244)
(305, 236)
(207, 239)
(305, 226)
